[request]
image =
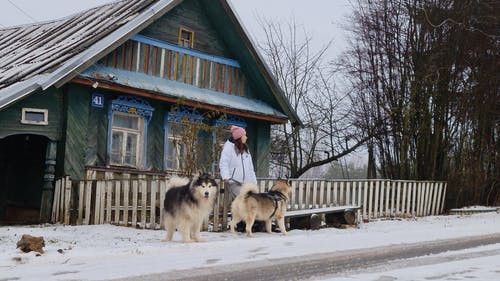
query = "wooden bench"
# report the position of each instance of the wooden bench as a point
(311, 218)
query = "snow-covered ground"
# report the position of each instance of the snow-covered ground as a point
(105, 251)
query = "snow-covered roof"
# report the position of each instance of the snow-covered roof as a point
(39, 55)
(36, 56)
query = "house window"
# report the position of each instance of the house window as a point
(177, 143)
(181, 145)
(127, 137)
(186, 38)
(34, 116)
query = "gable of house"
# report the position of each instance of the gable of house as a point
(109, 99)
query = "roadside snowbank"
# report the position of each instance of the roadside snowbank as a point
(105, 251)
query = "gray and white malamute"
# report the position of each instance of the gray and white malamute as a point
(187, 203)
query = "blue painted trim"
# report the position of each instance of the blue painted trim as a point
(124, 103)
(231, 120)
(143, 109)
(191, 52)
(110, 135)
(182, 113)
(165, 142)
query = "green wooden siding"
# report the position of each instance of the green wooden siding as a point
(259, 142)
(77, 140)
(156, 134)
(191, 15)
(85, 142)
(10, 118)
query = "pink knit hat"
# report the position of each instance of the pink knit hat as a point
(237, 132)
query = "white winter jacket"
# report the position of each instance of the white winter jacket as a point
(233, 166)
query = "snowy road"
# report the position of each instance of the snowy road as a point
(107, 252)
(345, 263)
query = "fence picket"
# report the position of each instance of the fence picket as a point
(432, 207)
(126, 191)
(335, 198)
(427, 197)
(88, 198)
(308, 195)
(301, 195)
(314, 201)
(97, 202)
(365, 198)
(109, 193)
(55, 204)
(262, 186)
(341, 193)
(144, 201)
(432, 198)
(152, 216)
(444, 194)
(408, 199)
(398, 198)
(376, 201)
(135, 186)
(360, 202)
(420, 198)
(328, 194)
(118, 205)
(382, 202)
(393, 198)
(102, 203)
(347, 193)
(321, 194)
(293, 196)
(370, 200)
(81, 192)
(403, 199)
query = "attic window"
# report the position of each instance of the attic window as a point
(186, 38)
(35, 116)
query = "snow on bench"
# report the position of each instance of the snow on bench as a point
(310, 218)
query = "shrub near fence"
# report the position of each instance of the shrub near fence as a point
(138, 202)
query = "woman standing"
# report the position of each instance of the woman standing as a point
(235, 165)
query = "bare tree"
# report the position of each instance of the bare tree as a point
(307, 81)
(425, 75)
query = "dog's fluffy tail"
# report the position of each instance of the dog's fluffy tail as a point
(177, 181)
(249, 188)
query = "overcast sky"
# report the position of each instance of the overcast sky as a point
(319, 18)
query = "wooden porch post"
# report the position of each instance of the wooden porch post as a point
(48, 185)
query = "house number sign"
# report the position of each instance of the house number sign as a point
(97, 100)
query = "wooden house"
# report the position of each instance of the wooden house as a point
(117, 88)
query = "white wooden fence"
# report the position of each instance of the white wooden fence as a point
(138, 202)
